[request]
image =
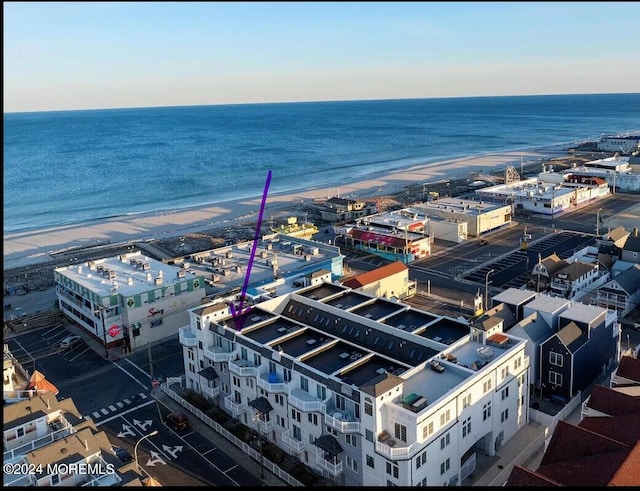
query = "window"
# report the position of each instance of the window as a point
(198, 324)
(257, 359)
(191, 355)
(20, 432)
(504, 416)
(313, 418)
(272, 367)
(352, 440)
(486, 411)
(370, 462)
(517, 363)
(445, 440)
(368, 407)
(555, 378)
(295, 415)
(505, 372)
(304, 384)
(368, 434)
(505, 393)
(297, 433)
(392, 469)
(352, 464)
(287, 375)
(444, 467)
(466, 427)
(421, 459)
(445, 416)
(427, 430)
(341, 402)
(555, 359)
(235, 381)
(280, 420)
(321, 392)
(401, 432)
(486, 385)
(466, 400)
(280, 399)
(55, 479)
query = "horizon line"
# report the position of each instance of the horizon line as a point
(313, 101)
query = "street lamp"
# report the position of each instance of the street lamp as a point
(334, 239)
(486, 288)
(135, 449)
(256, 418)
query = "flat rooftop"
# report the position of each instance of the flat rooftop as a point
(127, 274)
(282, 256)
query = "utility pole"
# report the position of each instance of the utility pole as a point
(486, 289)
(598, 222)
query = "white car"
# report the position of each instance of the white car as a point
(70, 342)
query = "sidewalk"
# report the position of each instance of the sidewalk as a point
(220, 442)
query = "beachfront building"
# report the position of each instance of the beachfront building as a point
(365, 391)
(294, 229)
(389, 281)
(616, 171)
(480, 217)
(622, 144)
(337, 209)
(129, 300)
(276, 259)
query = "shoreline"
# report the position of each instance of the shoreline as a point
(33, 246)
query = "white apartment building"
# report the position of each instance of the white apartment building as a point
(129, 299)
(366, 391)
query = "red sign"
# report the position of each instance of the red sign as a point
(114, 330)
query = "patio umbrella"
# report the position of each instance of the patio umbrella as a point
(41, 384)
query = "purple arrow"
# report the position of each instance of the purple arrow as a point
(238, 315)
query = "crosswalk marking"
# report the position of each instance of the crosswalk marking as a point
(120, 405)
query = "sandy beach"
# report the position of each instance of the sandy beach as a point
(31, 247)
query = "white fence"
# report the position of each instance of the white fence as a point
(253, 453)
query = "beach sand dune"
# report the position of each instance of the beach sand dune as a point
(35, 246)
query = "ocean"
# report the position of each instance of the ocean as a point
(69, 167)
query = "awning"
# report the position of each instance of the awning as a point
(261, 404)
(329, 444)
(209, 373)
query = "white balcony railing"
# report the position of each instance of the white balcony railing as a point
(288, 440)
(342, 422)
(235, 407)
(216, 353)
(272, 382)
(393, 449)
(243, 368)
(187, 337)
(210, 391)
(330, 467)
(305, 402)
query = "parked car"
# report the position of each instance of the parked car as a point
(177, 421)
(70, 342)
(123, 454)
(482, 242)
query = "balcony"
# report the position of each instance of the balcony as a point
(210, 391)
(342, 421)
(235, 407)
(243, 368)
(264, 426)
(394, 449)
(272, 382)
(187, 337)
(59, 428)
(304, 401)
(292, 443)
(330, 467)
(216, 353)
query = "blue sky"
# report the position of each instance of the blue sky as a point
(81, 55)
